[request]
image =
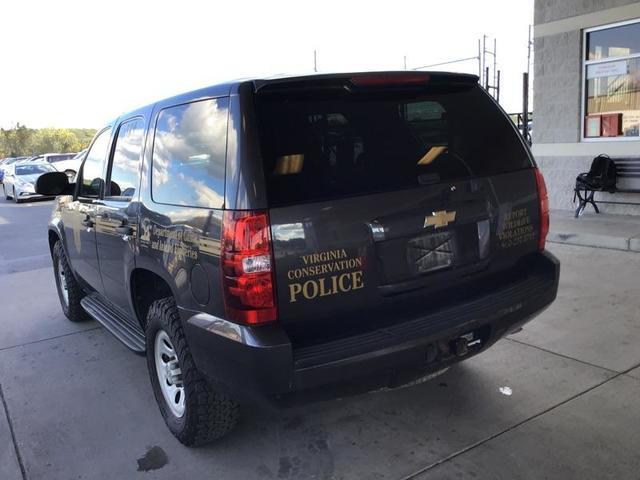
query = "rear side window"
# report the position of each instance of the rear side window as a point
(125, 166)
(93, 167)
(189, 152)
(331, 145)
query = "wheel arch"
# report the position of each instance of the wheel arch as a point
(147, 286)
(55, 235)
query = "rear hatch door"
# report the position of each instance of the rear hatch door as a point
(386, 196)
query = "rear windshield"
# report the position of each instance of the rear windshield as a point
(319, 147)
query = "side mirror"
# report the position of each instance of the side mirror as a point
(54, 183)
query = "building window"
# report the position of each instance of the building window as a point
(612, 81)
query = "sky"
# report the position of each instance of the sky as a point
(81, 63)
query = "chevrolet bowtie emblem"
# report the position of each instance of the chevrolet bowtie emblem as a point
(439, 219)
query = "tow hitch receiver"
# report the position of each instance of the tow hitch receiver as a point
(461, 345)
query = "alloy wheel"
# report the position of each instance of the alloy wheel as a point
(169, 374)
(64, 289)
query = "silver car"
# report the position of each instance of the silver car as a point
(20, 179)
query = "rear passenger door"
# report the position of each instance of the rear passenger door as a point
(117, 213)
(79, 216)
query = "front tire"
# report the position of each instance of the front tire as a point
(69, 290)
(192, 410)
(15, 197)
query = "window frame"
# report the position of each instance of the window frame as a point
(583, 92)
(153, 146)
(80, 175)
(112, 151)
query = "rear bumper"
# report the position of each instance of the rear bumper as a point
(249, 361)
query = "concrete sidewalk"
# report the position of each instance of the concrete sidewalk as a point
(617, 232)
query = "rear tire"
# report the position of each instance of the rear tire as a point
(206, 415)
(66, 282)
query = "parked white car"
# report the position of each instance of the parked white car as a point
(70, 166)
(68, 163)
(20, 179)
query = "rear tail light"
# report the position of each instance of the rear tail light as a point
(382, 79)
(247, 270)
(543, 204)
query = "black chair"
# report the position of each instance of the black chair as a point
(600, 178)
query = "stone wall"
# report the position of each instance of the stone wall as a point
(557, 101)
(552, 10)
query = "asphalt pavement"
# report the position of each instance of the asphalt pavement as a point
(559, 400)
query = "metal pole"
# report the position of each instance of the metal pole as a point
(486, 78)
(495, 60)
(525, 106)
(479, 62)
(498, 88)
(445, 63)
(529, 49)
(484, 56)
(315, 61)
(405, 62)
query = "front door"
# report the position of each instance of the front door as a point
(79, 215)
(117, 214)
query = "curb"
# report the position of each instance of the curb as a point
(610, 242)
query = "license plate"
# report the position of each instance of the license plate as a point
(431, 252)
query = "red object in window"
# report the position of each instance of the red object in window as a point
(247, 272)
(543, 208)
(381, 79)
(611, 124)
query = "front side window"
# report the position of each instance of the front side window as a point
(125, 166)
(93, 167)
(189, 153)
(612, 82)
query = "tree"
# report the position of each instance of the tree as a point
(15, 141)
(55, 140)
(23, 141)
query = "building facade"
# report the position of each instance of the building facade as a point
(586, 93)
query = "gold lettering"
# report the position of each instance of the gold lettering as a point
(341, 279)
(294, 289)
(310, 289)
(323, 291)
(357, 280)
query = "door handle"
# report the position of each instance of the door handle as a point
(125, 231)
(87, 222)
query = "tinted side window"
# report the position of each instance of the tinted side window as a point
(125, 166)
(92, 171)
(189, 152)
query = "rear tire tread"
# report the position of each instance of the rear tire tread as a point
(73, 310)
(209, 415)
